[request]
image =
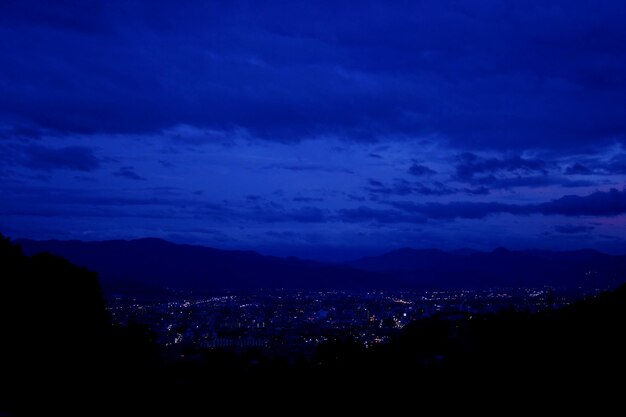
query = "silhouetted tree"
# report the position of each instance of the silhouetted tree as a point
(57, 341)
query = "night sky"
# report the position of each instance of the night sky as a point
(319, 129)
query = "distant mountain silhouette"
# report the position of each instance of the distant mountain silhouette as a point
(147, 266)
(501, 267)
(136, 264)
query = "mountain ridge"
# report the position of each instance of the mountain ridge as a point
(158, 262)
(191, 267)
(585, 267)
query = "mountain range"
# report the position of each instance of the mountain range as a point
(500, 267)
(147, 264)
(150, 264)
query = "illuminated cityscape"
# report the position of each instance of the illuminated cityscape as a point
(295, 322)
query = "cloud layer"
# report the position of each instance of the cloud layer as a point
(485, 74)
(315, 124)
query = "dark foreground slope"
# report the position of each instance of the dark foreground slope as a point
(58, 351)
(160, 263)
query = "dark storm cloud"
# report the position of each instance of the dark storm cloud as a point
(75, 158)
(485, 74)
(578, 169)
(254, 198)
(420, 170)
(533, 181)
(599, 164)
(129, 173)
(403, 187)
(611, 203)
(20, 132)
(457, 210)
(513, 172)
(477, 191)
(572, 229)
(77, 17)
(437, 188)
(617, 165)
(399, 187)
(470, 165)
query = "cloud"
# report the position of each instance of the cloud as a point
(74, 158)
(279, 214)
(254, 198)
(513, 172)
(20, 132)
(471, 164)
(399, 187)
(537, 76)
(192, 135)
(88, 203)
(403, 187)
(298, 167)
(91, 197)
(367, 214)
(599, 165)
(456, 210)
(611, 203)
(437, 188)
(307, 215)
(532, 181)
(570, 229)
(129, 173)
(578, 169)
(599, 203)
(617, 165)
(477, 191)
(420, 170)
(237, 100)
(300, 199)
(375, 183)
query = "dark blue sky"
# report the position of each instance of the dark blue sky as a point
(315, 128)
